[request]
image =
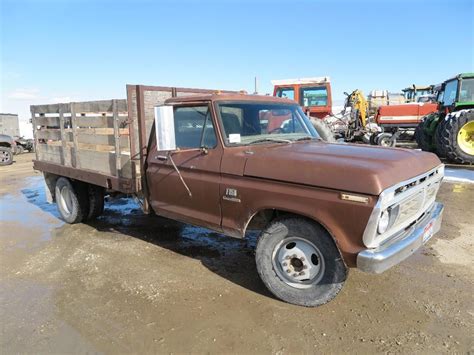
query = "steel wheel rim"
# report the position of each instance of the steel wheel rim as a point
(385, 142)
(5, 156)
(298, 262)
(466, 138)
(65, 199)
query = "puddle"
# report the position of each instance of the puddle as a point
(28, 208)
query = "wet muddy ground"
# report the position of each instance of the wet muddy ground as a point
(131, 283)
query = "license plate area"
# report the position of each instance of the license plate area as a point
(428, 231)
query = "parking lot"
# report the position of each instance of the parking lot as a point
(133, 283)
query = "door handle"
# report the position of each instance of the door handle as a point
(162, 157)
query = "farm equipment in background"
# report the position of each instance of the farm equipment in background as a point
(377, 98)
(414, 92)
(449, 131)
(353, 123)
(313, 94)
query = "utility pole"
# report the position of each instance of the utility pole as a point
(256, 86)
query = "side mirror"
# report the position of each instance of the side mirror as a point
(164, 128)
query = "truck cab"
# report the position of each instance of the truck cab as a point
(313, 94)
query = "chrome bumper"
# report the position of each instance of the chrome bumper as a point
(393, 252)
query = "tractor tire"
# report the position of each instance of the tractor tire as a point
(72, 200)
(438, 141)
(458, 136)
(422, 137)
(323, 130)
(6, 156)
(96, 201)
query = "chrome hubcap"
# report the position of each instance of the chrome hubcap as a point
(65, 199)
(4, 156)
(298, 262)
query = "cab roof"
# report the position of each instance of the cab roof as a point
(229, 97)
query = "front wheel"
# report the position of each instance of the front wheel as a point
(299, 262)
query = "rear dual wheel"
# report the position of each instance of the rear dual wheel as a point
(78, 201)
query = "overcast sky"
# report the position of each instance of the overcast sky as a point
(57, 51)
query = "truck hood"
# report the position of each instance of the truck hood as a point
(347, 167)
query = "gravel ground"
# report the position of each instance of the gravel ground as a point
(130, 283)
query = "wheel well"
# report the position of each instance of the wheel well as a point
(261, 219)
(5, 144)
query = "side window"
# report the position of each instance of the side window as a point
(450, 91)
(194, 127)
(288, 93)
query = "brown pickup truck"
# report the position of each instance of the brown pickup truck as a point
(219, 160)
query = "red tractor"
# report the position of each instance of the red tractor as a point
(313, 94)
(395, 120)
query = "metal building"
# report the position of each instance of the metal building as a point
(9, 124)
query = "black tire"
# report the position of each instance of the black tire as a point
(323, 130)
(72, 200)
(438, 140)
(386, 140)
(421, 137)
(19, 149)
(96, 201)
(373, 138)
(332, 271)
(6, 156)
(450, 133)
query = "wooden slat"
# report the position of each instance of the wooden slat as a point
(76, 162)
(94, 121)
(102, 139)
(51, 108)
(100, 106)
(102, 131)
(103, 162)
(33, 118)
(46, 121)
(64, 158)
(50, 149)
(116, 137)
(54, 153)
(54, 134)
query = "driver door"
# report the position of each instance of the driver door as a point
(197, 158)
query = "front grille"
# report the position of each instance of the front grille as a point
(412, 199)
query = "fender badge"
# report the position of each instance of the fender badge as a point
(354, 198)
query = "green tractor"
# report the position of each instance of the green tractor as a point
(450, 131)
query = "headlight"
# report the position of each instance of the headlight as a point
(384, 221)
(388, 218)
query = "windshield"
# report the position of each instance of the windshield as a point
(253, 122)
(466, 92)
(313, 96)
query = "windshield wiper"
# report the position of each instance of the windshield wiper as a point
(276, 140)
(308, 139)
